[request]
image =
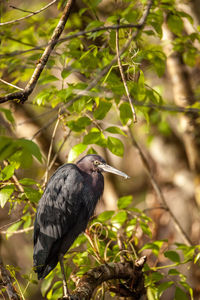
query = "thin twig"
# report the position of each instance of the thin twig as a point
(172, 108)
(59, 149)
(158, 191)
(28, 16)
(21, 9)
(9, 224)
(72, 36)
(18, 231)
(123, 77)
(10, 84)
(22, 96)
(50, 151)
(51, 121)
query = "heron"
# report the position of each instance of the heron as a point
(64, 210)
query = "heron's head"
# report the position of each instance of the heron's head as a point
(95, 163)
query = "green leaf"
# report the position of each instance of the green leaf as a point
(149, 246)
(152, 293)
(105, 216)
(102, 109)
(172, 255)
(156, 276)
(187, 287)
(47, 79)
(94, 24)
(125, 113)
(145, 228)
(8, 114)
(185, 15)
(8, 171)
(95, 137)
(79, 124)
(164, 286)
(119, 218)
(115, 146)
(27, 181)
(8, 147)
(46, 285)
(188, 251)
(175, 24)
(125, 201)
(31, 147)
(115, 130)
(79, 241)
(13, 228)
(80, 105)
(197, 257)
(76, 151)
(65, 73)
(180, 294)
(173, 272)
(32, 194)
(5, 194)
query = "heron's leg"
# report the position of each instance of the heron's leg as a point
(65, 288)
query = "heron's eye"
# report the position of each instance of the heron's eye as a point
(96, 162)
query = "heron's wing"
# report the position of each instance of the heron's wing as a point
(59, 210)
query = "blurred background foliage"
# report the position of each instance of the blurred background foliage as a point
(77, 108)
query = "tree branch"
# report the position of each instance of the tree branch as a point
(22, 96)
(158, 191)
(95, 277)
(123, 77)
(74, 35)
(7, 282)
(103, 72)
(28, 16)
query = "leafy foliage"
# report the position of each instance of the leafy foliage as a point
(95, 109)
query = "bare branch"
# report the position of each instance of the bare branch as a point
(60, 148)
(22, 96)
(158, 191)
(123, 78)
(7, 282)
(72, 36)
(50, 151)
(127, 270)
(10, 84)
(51, 121)
(28, 16)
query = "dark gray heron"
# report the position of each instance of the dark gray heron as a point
(64, 210)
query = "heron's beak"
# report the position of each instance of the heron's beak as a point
(109, 169)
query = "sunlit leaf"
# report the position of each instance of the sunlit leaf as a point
(115, 146)
(115, 130)
(125, 113)
(5, 194)
(119, 217)
(105, 216)
(124, 202)
(76, 151)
